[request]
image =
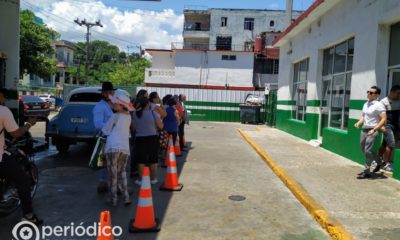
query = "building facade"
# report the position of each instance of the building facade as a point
(221, 49)
(329, 57)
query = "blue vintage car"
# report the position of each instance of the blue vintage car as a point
(74, 123)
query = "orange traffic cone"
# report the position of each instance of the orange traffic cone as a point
(105, 229)
(177, 147)
(170, 148)
(145, 220)
(171, 179)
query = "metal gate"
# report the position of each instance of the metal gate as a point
(210, 104)
(270, 107)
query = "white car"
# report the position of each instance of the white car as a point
(48, 98)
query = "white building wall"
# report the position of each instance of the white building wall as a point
(367, 21)
(9, 40)
(205, 68)
(163, 60)
(235, 24)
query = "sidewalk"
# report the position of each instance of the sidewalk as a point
(368, 209)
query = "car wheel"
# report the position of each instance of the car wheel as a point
(62, 147)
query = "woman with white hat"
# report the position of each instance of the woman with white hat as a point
(117, 146)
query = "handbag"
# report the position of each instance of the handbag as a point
(97, 160)
(162, 135)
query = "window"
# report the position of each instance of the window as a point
(229, 57)
(299, 95)
(266, 66)
(86, 97)
(271, 23)
(336, 74)
(248, 23)
(224, 43)
(394, 58)
(224, 21)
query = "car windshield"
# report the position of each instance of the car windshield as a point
(43, 96)
(29, 99)
(86, 97)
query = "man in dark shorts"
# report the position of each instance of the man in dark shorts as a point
(392, 105)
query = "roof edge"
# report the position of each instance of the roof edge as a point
(316, 4)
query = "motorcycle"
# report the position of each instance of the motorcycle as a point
(23, 152)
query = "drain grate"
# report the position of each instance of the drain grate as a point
(65, 171)
(237, 198)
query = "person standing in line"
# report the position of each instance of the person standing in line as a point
(117, 146)
(181, 130)
(102, 112)
(373, 118)
(155, 105)
(172, 120)
(134, 168)
(392, 106)
(146, 122)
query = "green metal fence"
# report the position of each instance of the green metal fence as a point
(270, 107)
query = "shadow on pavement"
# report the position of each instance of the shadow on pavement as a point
(67, 194)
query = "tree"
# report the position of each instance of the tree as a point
(108, 63)
(36, 50)
(126, 74)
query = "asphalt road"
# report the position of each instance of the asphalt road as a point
(219, 164)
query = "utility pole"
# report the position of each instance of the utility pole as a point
(88, 26)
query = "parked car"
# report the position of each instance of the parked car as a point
(74, 123)
(35, 107)
(48, 98)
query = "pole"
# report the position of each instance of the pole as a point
(87, 54)
(88, 26)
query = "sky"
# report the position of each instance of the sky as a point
(130, 24)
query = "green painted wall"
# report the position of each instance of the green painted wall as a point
(306, 130)
(214, 115)
(344, 143)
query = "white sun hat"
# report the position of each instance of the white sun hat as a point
(123, 99)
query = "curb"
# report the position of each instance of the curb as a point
(332, 226)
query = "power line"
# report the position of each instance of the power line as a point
(63, 20)
(88, 26)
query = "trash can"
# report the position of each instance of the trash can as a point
(250, 113)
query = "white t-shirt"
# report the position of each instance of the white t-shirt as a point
(117, 130)
(371, 111)
(7, 123)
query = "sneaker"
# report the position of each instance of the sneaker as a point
(32, 218)
(388, 167)
(137, 182)
(377, 168)
(127, 202)
(155, 181)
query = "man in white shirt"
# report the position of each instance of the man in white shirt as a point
(9, 168)
(373, 118)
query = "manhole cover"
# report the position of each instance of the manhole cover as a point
(65, 171)
(237, 198)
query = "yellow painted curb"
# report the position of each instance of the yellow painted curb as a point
(332, 226)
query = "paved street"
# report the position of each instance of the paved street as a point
(219, 164)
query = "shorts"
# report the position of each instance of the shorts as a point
(147, 149)
(388, 137)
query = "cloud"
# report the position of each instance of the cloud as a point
(150, 29)
(274, 6)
